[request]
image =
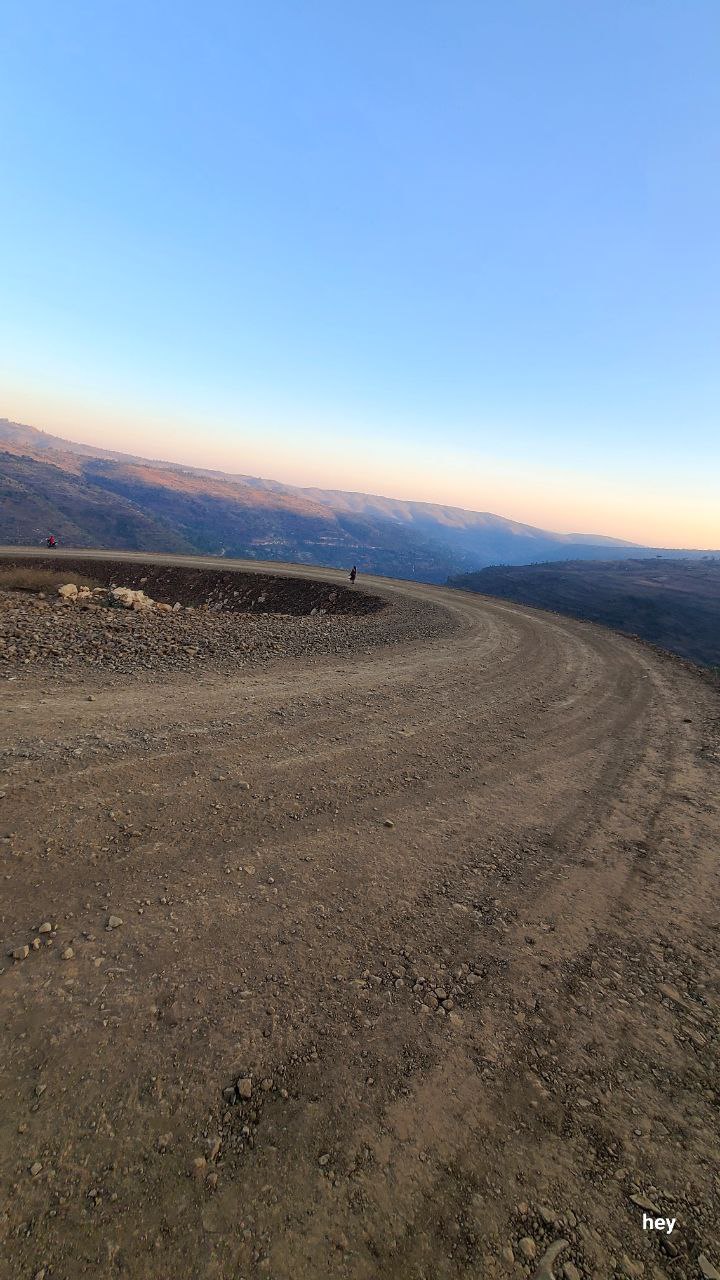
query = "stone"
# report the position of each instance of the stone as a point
(20, 953)
(68, 953)
(388, 822)
(114, 922)
(707, 1270)
(631, 1268)
(324, 1159)
(570, 1272)
(35, 1169)
(68, 591)
(527, 1248)
(545, 1266)
(644, 1203)
(244, 1088)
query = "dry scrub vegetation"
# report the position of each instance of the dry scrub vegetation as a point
(26, 578)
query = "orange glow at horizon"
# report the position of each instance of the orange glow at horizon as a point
(565, 502)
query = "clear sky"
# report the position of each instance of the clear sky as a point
(459, 250)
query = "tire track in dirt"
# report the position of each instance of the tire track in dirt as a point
(447, 1010)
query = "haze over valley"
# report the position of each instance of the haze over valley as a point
(88, 497)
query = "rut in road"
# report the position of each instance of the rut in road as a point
(470, 1033)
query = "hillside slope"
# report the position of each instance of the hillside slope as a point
(671, 603)
(37, 498)
(146, 507)
(242, 515)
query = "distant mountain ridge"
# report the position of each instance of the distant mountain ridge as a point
(89, 496)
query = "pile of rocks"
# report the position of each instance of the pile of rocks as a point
(115, 597)
(68, 591)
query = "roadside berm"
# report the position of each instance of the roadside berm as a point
(187, 619)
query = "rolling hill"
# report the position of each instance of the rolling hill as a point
(92, 497)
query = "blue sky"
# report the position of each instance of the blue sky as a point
(466, 252)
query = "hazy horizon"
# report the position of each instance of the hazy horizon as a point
(406, 497)
(466, 255)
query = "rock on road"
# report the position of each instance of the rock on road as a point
(394, 967)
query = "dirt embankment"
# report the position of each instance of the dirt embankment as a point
(220, 620)
(215, 588)
(397, 964)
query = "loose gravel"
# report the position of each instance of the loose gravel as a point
(51, 632)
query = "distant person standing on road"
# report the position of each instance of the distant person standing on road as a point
(353, 573)
(50, 542)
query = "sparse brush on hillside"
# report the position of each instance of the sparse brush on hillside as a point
(19, 578)
(674, 604)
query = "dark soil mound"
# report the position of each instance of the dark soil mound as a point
(219, 589)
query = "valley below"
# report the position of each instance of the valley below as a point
(376, 943)
(672, 603)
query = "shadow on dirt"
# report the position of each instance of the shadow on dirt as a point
(220, 590)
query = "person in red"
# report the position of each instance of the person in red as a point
(51, 541)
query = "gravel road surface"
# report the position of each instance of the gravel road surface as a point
(399, 963)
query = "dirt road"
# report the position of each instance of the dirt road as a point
(447, 910)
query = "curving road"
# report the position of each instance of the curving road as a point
(459, 929)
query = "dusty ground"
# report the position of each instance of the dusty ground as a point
(449, 906)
